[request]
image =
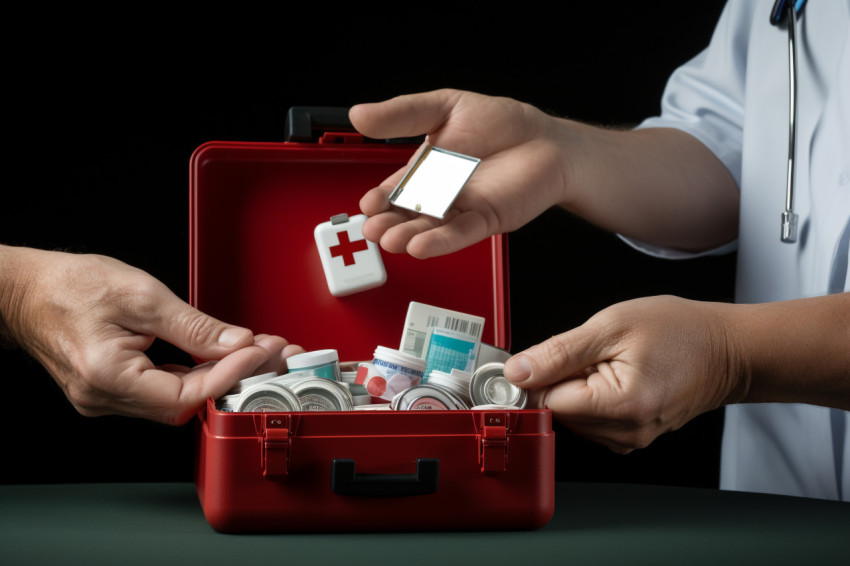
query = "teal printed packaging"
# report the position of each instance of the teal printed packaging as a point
(322, 363)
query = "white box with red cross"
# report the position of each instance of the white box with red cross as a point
(351, 262)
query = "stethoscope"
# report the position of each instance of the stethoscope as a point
(781, 9)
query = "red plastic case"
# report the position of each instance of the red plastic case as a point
(253, 262)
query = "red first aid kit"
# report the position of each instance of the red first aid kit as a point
(254, 262)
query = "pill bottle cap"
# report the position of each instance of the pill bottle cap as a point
(315, 358)
(407, 400)
(267, 397)
(427, 403)
(317, 393)
(489, 387)
(400, 358)
(460, 374)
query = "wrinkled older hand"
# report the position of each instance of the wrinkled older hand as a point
(89, 319)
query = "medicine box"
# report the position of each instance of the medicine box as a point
(253, 262)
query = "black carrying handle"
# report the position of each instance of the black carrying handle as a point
(306, 124)
(344, 481)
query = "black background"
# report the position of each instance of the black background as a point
(103, 117)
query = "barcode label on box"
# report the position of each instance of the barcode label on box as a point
(422, 319)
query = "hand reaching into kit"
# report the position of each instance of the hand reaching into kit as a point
(633, 371)
(644, 367)
(89, 319)
(518, 150)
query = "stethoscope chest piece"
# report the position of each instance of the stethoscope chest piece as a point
(781, 9)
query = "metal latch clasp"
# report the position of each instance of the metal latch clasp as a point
(494, 443)
(275, 451)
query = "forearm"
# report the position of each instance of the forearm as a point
(792, 351)
(658, 185)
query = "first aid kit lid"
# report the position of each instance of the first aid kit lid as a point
(254, 260)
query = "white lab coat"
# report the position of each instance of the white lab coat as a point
(734, 98)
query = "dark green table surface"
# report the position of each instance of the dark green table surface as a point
(157, 524)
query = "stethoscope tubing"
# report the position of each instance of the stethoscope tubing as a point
(789, 218)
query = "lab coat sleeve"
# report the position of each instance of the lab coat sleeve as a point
(705, 98)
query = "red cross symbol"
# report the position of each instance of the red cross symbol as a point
(346, 248)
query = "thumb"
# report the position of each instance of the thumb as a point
(194, 332)
(405, 115)
(561, 357)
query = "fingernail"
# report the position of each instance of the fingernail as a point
(231, 336)
(518, 369)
